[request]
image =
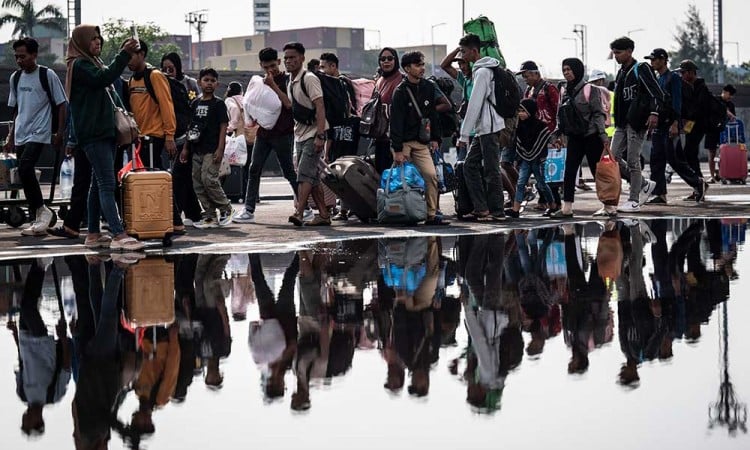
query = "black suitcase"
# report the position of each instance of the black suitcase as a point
(463, 203)
(355, 181)
(233, 185)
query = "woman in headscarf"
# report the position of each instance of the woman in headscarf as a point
(88, 85)
(389, 77)
(590, 143)
(171, 66)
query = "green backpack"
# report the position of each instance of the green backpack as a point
(485, 29)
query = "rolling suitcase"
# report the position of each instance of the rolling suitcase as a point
(149, 293)
(733, 158)
(147, 204)
(233, 185)
(355, 181)
(463, 203)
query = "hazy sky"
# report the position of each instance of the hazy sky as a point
(534, 32)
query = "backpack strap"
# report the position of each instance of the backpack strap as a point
(43, 80)
(147, 81)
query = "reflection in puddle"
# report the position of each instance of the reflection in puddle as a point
(137, 335)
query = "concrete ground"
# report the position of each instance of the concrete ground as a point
(273, 233)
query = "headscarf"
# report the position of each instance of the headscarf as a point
(177, 61)
(78, 48)
(576, 65)
(396, 64)
(532, 134)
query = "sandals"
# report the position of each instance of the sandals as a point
(128, 244)
(103, 241)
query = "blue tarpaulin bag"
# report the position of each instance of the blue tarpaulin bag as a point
(554, 166)
(411, 175)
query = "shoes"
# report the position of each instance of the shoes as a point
(646, 192)
(479, 215)
(179, 231)
(529, 195)
(629, 206)
(549, 211)
(129, 244)
(436, 221)
(34, 230)
(225, 217)
(700, 195)
(103, 241)
(560, 214)
(691, 197)
(39, 226)
(319, 222)
(188, 222)
(244, 217)
(498, 216)
(308, 215)
(341, 217)
(657, 200)
(583, 186)
(606, 212)
(62, 232)
(206, 223)
(297, 219)
(513, 214)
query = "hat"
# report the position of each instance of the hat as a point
(658, 53)
(528, 66)
(688, 65)
(597, 74)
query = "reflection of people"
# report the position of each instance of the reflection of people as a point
(211, 311)
(44, 363)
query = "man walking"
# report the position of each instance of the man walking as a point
(39, 113)
(667, 147)
(486, 122)
(635, 83)
(279, 139)
(695, 106)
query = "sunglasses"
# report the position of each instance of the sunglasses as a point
(386, 58)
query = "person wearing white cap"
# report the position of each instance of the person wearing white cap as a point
(598, 78)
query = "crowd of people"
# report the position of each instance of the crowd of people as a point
(512, 293)
(184, 126)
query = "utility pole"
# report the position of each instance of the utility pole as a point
(580, 30)
(197, 19)
(719, 41)
(74, 15)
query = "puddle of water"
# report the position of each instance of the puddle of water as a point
(624, 335)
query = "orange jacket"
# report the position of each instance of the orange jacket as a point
(153, 119)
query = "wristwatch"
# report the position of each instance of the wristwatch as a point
(321, 136)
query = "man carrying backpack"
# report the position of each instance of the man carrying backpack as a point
(666, 146)
(149, 95)
(38, 101)
(483, 118)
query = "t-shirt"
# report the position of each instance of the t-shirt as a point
(466, 85)
(285, 124)
(304, 132)
(34, 120)
(39, 356)
(208, 115)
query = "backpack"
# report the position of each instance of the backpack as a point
(716, 114)
(570, 120)
(44, 81)
(603, 97)
(180, 100)
(507, 92)
(448, 120)
(335, 98)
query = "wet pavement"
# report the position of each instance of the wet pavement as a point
(620, 335)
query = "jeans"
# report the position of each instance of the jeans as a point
(80, 191)
(283, 146)
(626, 145)
(102, 193)
(28, 156)
(578, 146)
(525, 170)
(692, 149)
(668, 150)
(484, 153)
(207, 185)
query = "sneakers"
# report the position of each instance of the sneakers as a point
(39, 227)
(691, 197)
(62, 232)
(700, 195)
(341, 217)
(629, 206)
(319, 222)
(225, 217)
(188, 222)
(206, 223)
(244, 217)
(646, 192)
(308, 215)
(128, 244)
(512, 213)
(657, 200)
(606, 211)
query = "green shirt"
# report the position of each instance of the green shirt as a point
(466, 84)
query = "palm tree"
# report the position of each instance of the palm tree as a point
(25, 17)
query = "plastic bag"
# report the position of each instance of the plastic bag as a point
(261, 104)
(413, 178)
(235, 150)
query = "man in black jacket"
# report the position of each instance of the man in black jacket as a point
(406, 121)
(637, 105)
(695, 103)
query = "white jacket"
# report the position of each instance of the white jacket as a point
(481, 117)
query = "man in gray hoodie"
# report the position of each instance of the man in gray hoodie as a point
(486, 123)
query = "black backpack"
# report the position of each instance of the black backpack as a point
(716, 114)
(180, 100)
(448, 120)
(335, 98)
(570, 120)
(44, 81)
(507, 92)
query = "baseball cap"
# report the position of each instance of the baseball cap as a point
(597, 74)
(528, 66)
(658, 53)
(688, 65)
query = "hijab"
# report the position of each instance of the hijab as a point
(78, 48)
(532, 134)
(576, 65)
(396, 64)
(175, 59)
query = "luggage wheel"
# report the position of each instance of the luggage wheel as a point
(15, 216)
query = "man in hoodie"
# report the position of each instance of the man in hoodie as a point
(695, 104)
(482, 118)
(637, 106)
(407, 141)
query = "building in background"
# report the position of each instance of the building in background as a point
(262, 16)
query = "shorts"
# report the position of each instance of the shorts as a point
(508, 155)
(712, 141)
(308, 165)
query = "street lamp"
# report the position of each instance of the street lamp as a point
(432, 43)
(737, 45)
(635, 31)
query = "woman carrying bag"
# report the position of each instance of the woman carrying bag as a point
(580, 118)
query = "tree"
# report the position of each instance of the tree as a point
(693, 43)
(25, 17)
(117, 31)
